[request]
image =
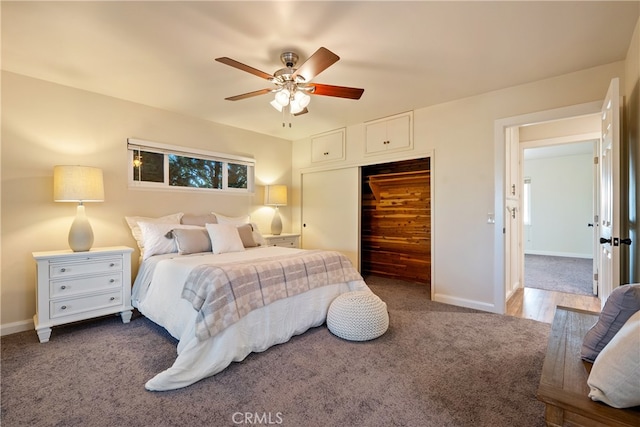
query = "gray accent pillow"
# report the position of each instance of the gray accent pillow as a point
(199, 220)
(246, 235)
(623, 302)
(191, 241)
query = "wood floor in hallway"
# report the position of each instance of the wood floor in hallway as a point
(540, 305)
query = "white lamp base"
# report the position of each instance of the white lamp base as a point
(80, 234)
(276, 223)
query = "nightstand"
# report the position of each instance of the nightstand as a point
(285, 240)
(72, 286)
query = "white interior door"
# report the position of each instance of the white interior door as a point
(514, 255)
(609, 184)
(330, 211)
(596, 221)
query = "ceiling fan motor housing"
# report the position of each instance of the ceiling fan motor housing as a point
(289, 59)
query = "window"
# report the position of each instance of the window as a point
(155, 165)
(526, 201)
(194, 172)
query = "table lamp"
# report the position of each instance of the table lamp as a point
(275, 195)
(78, 184)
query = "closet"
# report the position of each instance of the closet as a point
(396, 220)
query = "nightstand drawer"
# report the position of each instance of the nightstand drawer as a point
(283, 240)
(91, 266)
(69, 287)
(78, 305)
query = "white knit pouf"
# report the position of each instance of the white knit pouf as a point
(358, 316)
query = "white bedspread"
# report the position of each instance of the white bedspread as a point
(156, 294)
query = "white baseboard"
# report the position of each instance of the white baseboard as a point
(563, 254)
(461, 302)
(15, 327)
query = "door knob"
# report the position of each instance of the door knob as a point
(603, 240)
(626, 241)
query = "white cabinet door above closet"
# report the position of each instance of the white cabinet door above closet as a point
(393, 133)
(328, 146)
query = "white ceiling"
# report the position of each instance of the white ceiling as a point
(406, 55)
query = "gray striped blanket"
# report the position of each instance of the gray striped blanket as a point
(223, 294)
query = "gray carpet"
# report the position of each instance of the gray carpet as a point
(437, 365)
(560, 274)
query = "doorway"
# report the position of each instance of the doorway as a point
(509, 252)
(558, 209)
(395, 237)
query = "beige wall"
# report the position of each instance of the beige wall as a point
(45, 124)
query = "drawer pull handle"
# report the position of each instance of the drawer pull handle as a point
(64, 307)
(112, 299)
(62, 270)
(113, 264)
(63, 287)
(112, 280)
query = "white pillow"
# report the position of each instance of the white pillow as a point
(235, 220)
(154, 237)
(224, 238)
(241, 220)
(132, 222)
(615, 375)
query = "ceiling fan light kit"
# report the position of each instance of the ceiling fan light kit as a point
(293, 85)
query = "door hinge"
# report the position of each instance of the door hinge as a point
(595, 277)
(595, 160)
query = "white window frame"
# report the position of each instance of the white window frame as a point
(136, 145)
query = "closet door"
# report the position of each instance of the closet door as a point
(330, 211)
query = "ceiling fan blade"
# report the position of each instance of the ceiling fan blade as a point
(243, 67)
(248, 95)
(305, 111)
(338, 91)
(322, 59)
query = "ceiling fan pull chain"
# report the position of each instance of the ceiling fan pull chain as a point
(283, 117)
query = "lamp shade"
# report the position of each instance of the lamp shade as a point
(275, 195)
(77, 184)
(276, 105)
(282, 97)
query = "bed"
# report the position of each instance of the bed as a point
(173, 290)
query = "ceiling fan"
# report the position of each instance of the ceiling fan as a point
(293, 85)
